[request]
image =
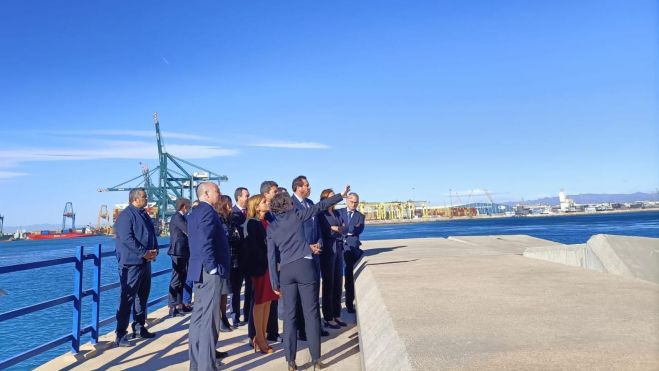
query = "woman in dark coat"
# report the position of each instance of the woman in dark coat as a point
(297, 271)
(331, 263)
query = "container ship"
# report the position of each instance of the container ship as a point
(54, 235)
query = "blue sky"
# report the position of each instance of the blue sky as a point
(400, 99)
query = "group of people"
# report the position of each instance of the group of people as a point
(280, 246)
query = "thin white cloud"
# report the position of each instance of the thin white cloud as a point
(110, 150)
(10, 174)
(125, 134)
(288, 144)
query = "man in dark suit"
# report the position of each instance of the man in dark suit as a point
(209, 268)
(136, 247)
(301, 191)
(353, 226)
(238, 274)
(179, 250)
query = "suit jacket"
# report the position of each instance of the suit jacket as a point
(238, 216)
(311, 226)
(135, 235)
(255, 248)
(353, 227)
(178, 236)
(286, 235)
(332, 241)
(209, 247)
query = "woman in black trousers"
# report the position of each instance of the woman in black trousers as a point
(297, 271)
(331, 263)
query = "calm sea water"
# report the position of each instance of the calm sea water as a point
(30, 287)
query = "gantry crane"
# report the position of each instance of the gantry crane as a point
(175, 180)
(2, 224)
(68, 214)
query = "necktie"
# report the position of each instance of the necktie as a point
(244, 212)
(351, 212)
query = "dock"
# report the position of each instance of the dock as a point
(457, 303)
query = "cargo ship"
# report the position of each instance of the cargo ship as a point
(53, 235)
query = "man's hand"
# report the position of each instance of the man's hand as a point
(345, 192)
(150, 255)
(337, 228)
(277, 292)
(315, 248)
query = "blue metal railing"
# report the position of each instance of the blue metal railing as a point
(76, 298)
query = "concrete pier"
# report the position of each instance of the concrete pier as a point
(467, 303)
(476, 303)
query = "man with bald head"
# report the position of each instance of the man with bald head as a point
(209, 269)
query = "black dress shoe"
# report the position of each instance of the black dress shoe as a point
(186, 308)
(122, 341)
(219, 354)
(350, 310)
(275, 337)
(225, 326)
(323, 333)
(340, 323)
(327, 324)
(173, 312)
(292, 366)
(143, 334)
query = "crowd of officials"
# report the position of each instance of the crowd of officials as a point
(279, 247)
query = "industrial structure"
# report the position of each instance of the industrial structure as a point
(174, 181)
(68, 214)
(2, 224)
(103, 220)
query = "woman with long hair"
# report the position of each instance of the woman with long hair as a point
(257, 268)
(331, 263)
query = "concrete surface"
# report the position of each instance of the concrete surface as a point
(169, 350)
(580, 255)
(631, 257)
(475, 303)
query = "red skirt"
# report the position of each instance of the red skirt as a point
(263, 289)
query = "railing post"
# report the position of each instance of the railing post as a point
(96, 298)
(77, 301)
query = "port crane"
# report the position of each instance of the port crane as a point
(2, 224)
(176, 178)
(103, 220)
(68, 214)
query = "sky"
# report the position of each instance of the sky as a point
(400, 99)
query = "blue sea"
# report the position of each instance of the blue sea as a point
(30, 287)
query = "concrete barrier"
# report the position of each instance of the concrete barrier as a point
(380, 344)
(631, 257)
(580, 256)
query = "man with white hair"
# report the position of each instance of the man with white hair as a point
(209, 269)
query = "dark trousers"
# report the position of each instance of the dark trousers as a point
(349, 279)
(135, 283)
(187, 292)
(237, 277)
(299, 313)
(330, 269)
(299, 283)
(177, 283)
(205, 322)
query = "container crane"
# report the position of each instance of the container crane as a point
(175, 180)
(68, 214)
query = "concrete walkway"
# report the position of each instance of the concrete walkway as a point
(475, 303)
(169, 350)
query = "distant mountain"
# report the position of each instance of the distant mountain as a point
(592, 198)
(32, 227)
